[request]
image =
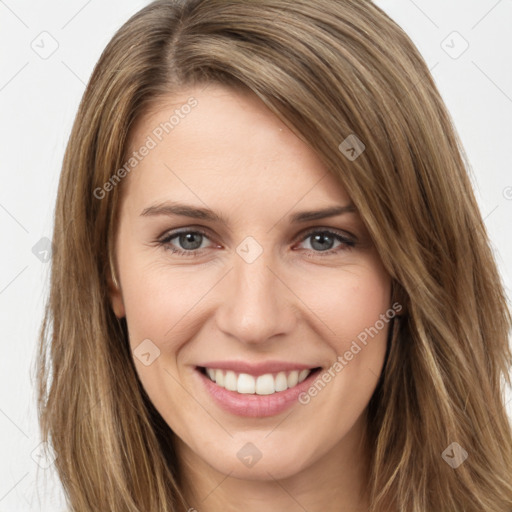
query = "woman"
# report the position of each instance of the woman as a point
(272, 286)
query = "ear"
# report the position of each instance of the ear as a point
(116, 297)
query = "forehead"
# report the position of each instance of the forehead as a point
(221, 144)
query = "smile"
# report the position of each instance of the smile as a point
(255, 391)
(266, 384)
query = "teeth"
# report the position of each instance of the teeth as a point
(281, 382)
(219, 377)
(246, 384)
(293, 378)
(266, 384)
(230, 382)
(303, 374)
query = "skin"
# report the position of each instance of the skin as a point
(293, 303)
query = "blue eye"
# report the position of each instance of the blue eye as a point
(322, 242)
(191, 242)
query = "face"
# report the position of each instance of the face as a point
(246, 314)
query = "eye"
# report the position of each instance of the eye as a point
(322, 242)
(190, 243)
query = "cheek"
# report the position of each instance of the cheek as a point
(164, 307)
(351, 308)
(348, 301)
(353, 311)
(161, 302)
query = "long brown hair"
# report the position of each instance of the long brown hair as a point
(329, 69)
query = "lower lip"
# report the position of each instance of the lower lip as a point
(252, 405)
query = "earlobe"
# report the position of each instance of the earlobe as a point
(116, 297)
(114, 291)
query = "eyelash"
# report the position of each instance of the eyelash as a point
(346, 242)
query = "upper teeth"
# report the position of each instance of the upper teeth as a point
(263, 385)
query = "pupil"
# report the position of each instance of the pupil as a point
(320, 239)
(191, 240)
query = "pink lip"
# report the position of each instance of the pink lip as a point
(257, 369)
(255, 406)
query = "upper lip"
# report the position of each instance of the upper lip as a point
(257, 369)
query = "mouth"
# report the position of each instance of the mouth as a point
(265, 384)
(255, 396)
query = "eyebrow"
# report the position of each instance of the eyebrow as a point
(173, 208)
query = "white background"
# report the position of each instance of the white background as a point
(39, 98)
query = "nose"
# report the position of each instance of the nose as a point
(256, 303)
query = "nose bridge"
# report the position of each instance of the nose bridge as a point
(255, 304)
